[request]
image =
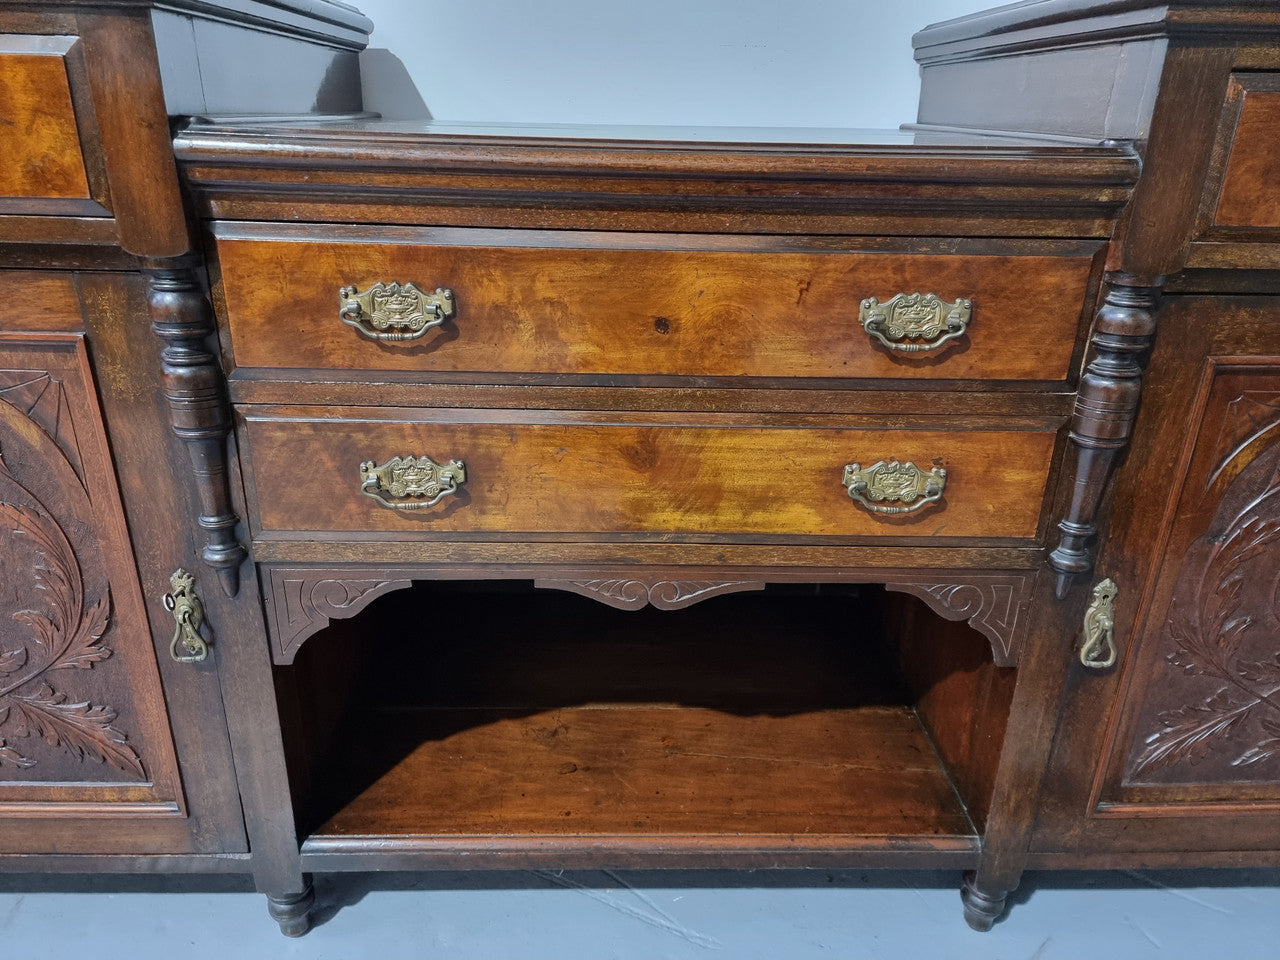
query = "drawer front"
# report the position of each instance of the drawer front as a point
(528, 302)
(40, 153)
(601, 474)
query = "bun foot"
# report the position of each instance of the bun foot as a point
(981, 909)
(292, 911)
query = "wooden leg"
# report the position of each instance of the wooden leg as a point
(1044, 666)
(981, 907)
(293, 910)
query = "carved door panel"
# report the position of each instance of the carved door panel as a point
(87, 754)
(1179, 748)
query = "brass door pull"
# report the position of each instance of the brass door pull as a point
(411, 483)
(915, 322)
(187, 645)
(392, 312)
(1098, 652)
(890, 487)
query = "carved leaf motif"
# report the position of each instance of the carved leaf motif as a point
(1207, 631)
(43, 632)
(1187, 732)
(1265, 672)
(10, 755)
(634, 594)
(624, 591)
(67, 636)
(1264, 750)
(85, 649)
(82, 728)
(11, 662)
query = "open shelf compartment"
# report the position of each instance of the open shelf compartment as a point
(493, 724)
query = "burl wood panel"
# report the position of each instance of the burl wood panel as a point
(576, 305)
(40, 153)
(82, 714)
(1250, 194)
(604, 474)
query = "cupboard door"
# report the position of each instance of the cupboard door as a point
(1179, 748)
(88, 762)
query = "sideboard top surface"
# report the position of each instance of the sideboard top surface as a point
(917, 182)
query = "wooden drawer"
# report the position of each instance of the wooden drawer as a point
(555, 473)
(542, 302)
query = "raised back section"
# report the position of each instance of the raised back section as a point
(1085, 68)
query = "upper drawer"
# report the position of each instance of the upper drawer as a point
(554, 303)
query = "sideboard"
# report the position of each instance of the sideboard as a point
(501, 497)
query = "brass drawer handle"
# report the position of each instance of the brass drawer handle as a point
(915, 322)
(392, 312)
(881, 486)
(411, 483)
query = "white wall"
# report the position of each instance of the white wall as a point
(808, 63)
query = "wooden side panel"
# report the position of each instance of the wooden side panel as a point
(49, 302)
(123, 78)
(40, 153)
(961, 697)
(83, 728)
(577, 473)
(1178, 748)
(577, 304)
(1207, 725)
(1250, 194)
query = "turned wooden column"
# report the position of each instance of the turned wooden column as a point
(1105, 408)
(198, 407)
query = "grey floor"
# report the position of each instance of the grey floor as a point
(1233, 915)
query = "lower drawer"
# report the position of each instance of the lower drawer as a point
(589, 473)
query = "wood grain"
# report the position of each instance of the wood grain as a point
(574, 473)
(1250, 194)
(123, 75)
(87, 736)
(774, 715)
(40, 152)
(582, 308)
(49, 300)
(642, 769)
(1206, 441)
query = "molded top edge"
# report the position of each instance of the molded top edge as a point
(1055, 23)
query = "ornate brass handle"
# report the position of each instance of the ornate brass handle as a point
(1098, 652)
(915, 322)
(392, 312)
(882, 486)
(411, 483)
(187, 646)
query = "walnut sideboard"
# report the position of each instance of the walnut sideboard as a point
(559, 497)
